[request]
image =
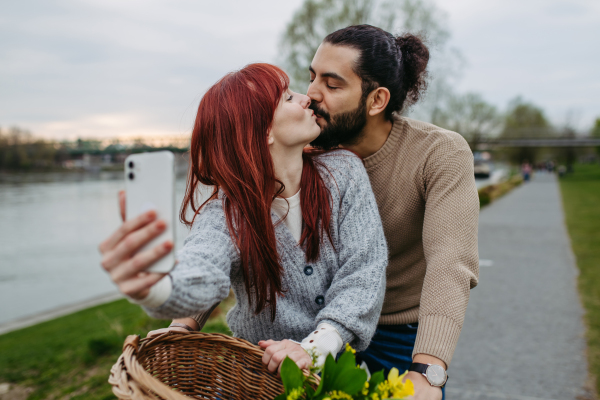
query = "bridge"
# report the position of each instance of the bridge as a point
(490, 143)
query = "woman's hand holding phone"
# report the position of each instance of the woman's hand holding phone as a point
(120, 259)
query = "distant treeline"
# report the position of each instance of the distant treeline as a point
(21, 151)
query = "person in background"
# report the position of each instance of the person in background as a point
(294, 232)
(526, 170)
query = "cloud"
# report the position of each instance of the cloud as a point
(67, 64)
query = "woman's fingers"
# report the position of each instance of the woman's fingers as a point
(140, 262)
(163, 330)
(132, 243)
(122, 204)
(125, 229)
(139, 287)
(271, 351)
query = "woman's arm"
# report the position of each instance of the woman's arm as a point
(355, 297)
(201, 277)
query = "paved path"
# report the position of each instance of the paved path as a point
(523, 333)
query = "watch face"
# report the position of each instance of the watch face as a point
(436, 375)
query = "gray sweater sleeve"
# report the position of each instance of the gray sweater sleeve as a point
(355, 297)
(201, 277)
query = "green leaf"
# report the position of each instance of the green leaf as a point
(343, 375)
(375, 380)
(351, 381)
(291, 375)
(282, 396)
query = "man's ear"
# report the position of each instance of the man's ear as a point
(378, 100)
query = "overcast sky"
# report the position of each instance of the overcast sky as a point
(107, 68)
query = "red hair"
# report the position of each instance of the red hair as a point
(229, 151)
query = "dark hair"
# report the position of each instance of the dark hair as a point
(397, 63)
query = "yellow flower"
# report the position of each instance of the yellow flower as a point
(295, 394)
(338, 394)
(399, 389)
(406, 390)
(349, 348)
(365, 390)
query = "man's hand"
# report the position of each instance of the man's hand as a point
(275, 353)
(423, 389)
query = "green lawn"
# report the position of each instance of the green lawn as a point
(72, 355)
(581, 198)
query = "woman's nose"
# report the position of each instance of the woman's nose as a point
(304, 100)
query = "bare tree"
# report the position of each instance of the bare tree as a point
(315, 19)
(471, 116)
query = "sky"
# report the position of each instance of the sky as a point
(111, 68)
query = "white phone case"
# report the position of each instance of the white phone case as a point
(150, 185)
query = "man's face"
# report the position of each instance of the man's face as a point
(336, 94)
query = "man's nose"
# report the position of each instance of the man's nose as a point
(314, 94)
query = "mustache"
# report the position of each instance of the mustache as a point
(319, 111)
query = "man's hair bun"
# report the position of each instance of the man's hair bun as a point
(415, 57)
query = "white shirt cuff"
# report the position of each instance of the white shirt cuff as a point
(159, 294)
(323, 341)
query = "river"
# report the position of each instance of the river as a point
(50, 229)
(49, 237)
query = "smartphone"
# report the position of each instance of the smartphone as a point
(150, 185)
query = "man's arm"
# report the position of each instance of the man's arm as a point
(450, 246)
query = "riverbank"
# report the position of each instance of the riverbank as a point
(581, 198)
(70, 357)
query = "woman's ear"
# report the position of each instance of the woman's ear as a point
(270, 138)
(378, 101)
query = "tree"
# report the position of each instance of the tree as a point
(317, 18)
(525, 121)
(596, 133)
(470, 115)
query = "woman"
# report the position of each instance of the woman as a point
(296, 234)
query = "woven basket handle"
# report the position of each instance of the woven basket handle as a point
(133, 341)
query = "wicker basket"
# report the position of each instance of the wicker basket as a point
(180, 366)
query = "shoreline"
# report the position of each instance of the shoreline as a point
(54, 313)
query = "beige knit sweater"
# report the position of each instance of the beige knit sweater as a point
(425, 189)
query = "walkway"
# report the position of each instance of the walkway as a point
(523, 337)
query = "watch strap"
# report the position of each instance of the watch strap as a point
(418, 367)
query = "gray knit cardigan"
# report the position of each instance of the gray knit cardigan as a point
(344, 288)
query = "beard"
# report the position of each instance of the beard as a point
(341, 129)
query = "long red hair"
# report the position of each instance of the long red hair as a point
(229, 151)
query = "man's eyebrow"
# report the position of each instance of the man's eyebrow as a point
(332, 75)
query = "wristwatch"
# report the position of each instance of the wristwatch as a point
(436, 374)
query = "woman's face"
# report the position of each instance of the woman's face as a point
(294, 124)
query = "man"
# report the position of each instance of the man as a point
(361, 77)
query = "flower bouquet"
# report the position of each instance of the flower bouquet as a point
(342, 380)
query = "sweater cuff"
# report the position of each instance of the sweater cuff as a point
(437, 336)
(158, 295)
(323, 341)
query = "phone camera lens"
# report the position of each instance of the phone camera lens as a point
(131, 164)
(131, 176)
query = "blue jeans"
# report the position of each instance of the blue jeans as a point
(392, 346)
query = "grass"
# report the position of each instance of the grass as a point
(581, 198)
(70, 357)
